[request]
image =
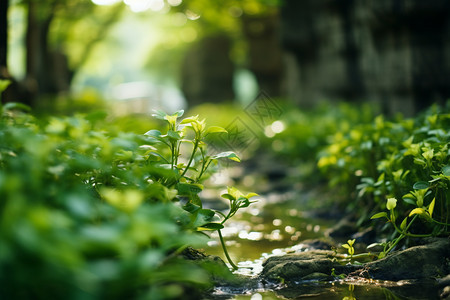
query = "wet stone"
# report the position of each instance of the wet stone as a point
(296, 267)
(419, 262)
(423, 262)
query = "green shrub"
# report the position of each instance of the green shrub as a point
(60, 240)
(88, 211)
(306, 132)
(404, 159)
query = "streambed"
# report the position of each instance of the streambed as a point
(276, 226)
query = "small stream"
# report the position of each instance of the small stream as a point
(276, 226)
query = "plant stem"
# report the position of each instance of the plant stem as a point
(226, 252)
(440, 223)
(205, 165)
(191, 158)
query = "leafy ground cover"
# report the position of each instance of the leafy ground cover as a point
(89, 211)
(400, 166)
(99, 209)
(397, 170)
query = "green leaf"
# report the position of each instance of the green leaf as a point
(155, 136)
(204, 216)
(173, 135)
(228, 154)
(446, 170)
(211, 226)
(214, 129)
(4, 83)
(228, 196)
(16, 106)
(380, 215)
(189, 120)
(243, 202)
(188, 189)
(153, 133)
(156, 154)
(346, 246)
(409, 201)
(178, 113)
(249, 195)
(403, 224)
(421, 185)
(191, 208)
(159, 114)
(431, 207)
(417, 211)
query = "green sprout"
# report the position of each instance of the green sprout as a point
(187, 177)
(349, 247)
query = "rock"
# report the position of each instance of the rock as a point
(419, 262)
(296, 267)
(214, 265)
(318, 277)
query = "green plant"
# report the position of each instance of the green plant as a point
(187, 176)
(96, 211)
(422, 211)
(405, 159)
(349, 247)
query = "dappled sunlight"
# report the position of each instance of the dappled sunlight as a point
(193, 149)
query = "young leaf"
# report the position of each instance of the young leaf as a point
(159, 114)
(249, 195)
(153, 133)
(403, 224)
(228, 154)
(187, 189)
(4, 83)
(204, 216)
(191, 208)
(17, 106)
(211, 226)
(409, 201)
(417, 211)
(446, 170)
(431, 207)
(178, 113)
(380, 215)
(228, 196)
(189, 120)
(214, 129)
(421, 185)
(173, 135)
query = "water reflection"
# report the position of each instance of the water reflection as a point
(266, 227)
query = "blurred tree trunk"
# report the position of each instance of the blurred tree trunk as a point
(3, 38)
(47, 68)
(8, 94)
(38, 66)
